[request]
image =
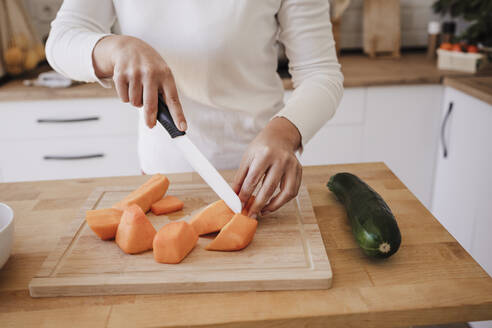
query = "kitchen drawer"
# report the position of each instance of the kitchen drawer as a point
(66, 118)
(351, 108)
(334, 144)
(25, 160)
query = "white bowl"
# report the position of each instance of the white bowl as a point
(6, 232)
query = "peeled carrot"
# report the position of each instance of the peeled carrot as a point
(235, 235)
(173, 242)
(248, 205)
(104, 222)
(147, 194)
(212, 218)
(135, 232)
(166, 205)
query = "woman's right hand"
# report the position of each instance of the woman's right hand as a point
(139, 74)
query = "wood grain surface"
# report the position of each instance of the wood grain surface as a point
(431, 279)
(287, 253)
(478, 87)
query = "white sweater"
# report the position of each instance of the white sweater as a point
(223, 55)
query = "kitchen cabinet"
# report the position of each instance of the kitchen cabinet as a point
(463, 176)
(401, 128)
(462, 191)
(397, 125)
(340, 140)
(72, 138)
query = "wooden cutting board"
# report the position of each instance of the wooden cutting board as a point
(287, 253)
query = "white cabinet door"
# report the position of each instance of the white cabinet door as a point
(462, 190)
(401, 129)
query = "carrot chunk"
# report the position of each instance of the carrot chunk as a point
(235, 235)
(104, 222)
(147, 194)
(166, 205)
(173, 242)
(135, 232)
(212, 218)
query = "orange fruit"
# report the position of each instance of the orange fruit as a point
(472, 49)
(446, 46)
(456, 47)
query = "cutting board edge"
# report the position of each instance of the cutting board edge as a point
(46, 287)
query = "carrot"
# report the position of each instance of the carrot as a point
(212, 218)
(166, 205)
(135, 232)
(235, 235)
(248, 205)
(104, 222)
(147, 194)
(173, 242)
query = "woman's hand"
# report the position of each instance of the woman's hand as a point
(139, 74)
(270, 158)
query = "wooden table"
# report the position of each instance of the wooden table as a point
(431, 279)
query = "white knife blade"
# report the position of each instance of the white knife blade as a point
(208, 172)
(196, 159)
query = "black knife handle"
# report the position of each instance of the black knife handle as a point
(165, 118)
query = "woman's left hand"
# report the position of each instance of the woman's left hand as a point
(270, 160)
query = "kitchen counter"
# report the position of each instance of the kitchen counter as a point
(477, 86)
(362, 71)
(359, 71)
(431, 279)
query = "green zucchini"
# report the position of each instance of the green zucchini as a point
(373, 225)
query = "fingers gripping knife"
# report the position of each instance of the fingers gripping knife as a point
(196, 159)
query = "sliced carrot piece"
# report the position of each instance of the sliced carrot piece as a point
(104, 222)
(212, 218)
(147, 194)
(236, 235)
(173, 242)
(248, 205)
(166, 205)
(135, 232)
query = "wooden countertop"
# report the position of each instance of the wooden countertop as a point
(359, 71)
(478, 86)
(431, 279)
(362, 71)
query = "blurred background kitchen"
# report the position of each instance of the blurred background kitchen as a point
(418, 96)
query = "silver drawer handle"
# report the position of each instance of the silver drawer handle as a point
(68, 120)
(71, 158)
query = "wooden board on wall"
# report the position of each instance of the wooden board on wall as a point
(287, 253)
(381, 25)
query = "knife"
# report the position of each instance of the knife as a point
(196, 159)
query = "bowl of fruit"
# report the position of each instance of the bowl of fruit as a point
(459, 57)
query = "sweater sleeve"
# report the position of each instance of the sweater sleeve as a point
(305, 31)
(78, 26)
